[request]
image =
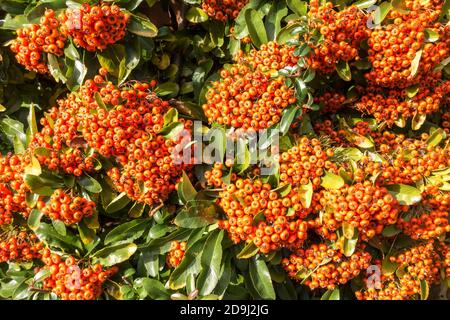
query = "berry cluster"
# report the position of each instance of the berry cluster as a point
(246, 96)
(321, 266)
(223, 10)
(342, 34)
(389, 106)
(395, 46)
(94, 27)
(426, 226)
(330, 102)
(20, 247)
(67, 208)
(421, 262)
(243, 200)
(361, 205)
(305, 162)
(126, 131)
(13, 190)
(33, 42)
(71, 282)
(176, 253)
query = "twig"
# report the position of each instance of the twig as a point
(156, 209)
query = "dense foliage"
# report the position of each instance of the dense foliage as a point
(99, 100)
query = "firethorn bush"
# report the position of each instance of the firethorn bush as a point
(126, 171)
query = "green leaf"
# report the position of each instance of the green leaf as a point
(196, 15)
(343, 70)
(431, 35)
(33, 168)
(299, 7)
(31, 119)
(287, 118)
(211, 261)
(87, 235)
(255, 27)
(142, 26)
(381, 12)
(186, 190)
(277, 12)
(284, 190)
(390, 231)
(136, 210)
(75, 74)
(42, 186)
(306, 194)
(248, 251)
(127, 232)
(332, 181)
(13, 128)
(131, 61)
(405, 194)
(436, 137)
(168, 89)
(387, 267)
(34, 220)
(111, 58)
(90, 184)
(424, 289)
(418, 120)
(364, 4)
(60, 227)
(261, 279)
(47, 234)
(55, 69)
(349, 244)
(154, 288)
(118, 203)
(170, 116)
(412, 91)
(197, 216)
(415, 63)
(115, 254)
(172, 130)
(331, 295)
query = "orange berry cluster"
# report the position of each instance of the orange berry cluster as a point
(428, 225)
(59, 136)
(331, 102)
(243, 200)
(20, 247)
(130, 133)
(342, 34)
(421, 262)
(223, 10)
(246, 96)
(127, 131)
(71, 282)
(389, 107)
(94, 27)
(67, 208)
(321, 266)
(13, 190)
(270, 56)
(280, 233)
(361, 205)
(305, 162)
(176, 253)
(394, 47)
(33, 42)
(408, 160)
